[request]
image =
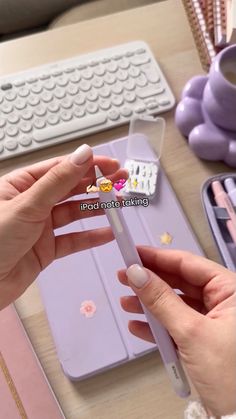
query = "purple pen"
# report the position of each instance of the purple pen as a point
(130, 255)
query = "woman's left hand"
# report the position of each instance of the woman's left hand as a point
(31, 206)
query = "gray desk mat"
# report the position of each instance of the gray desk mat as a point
(86, 346)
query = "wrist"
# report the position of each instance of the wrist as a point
(195, 410)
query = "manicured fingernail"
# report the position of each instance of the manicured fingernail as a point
(137, 275)
(81, 154)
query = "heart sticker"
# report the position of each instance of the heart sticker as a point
(120, 184)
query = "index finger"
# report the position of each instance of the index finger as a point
(23, 178)
(183, 265)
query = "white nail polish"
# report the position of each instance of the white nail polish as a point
(81, 154)
(137, 275)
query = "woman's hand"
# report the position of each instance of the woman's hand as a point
(29, 215)
(202, 322)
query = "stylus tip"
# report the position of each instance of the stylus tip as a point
(98, 172)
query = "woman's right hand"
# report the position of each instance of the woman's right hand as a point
(202, 322)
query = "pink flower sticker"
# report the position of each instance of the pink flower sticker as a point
(88, 308)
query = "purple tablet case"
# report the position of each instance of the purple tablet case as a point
(217, 217)
(89, 345)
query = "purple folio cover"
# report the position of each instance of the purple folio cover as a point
(86, 346)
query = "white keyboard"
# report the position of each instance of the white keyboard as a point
(72, 98)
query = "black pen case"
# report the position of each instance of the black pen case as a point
(217, 218)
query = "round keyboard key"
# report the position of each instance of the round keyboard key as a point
(19, 83)
(80, 99)
(2, 135)
(141, 80)
(66, 103)
(25, 126)
(140, 60)
(59, 93)
(87, 74)
(55, 73)
(92, 107)
(123, 63)
(117, 56)
(113, 115)
(62, 81)
(117, 88)
(40, 110)
(10, 95)
(72, 90)
(13, 118)
(10, 145)
(105, 91)
(2, 122)
(99, 70)
(53, 119)
(140, 108)
(23, 92)
(52, 107)
(134, 71)
(36, 88)
(25, 141)
(129, 84)
(93, 63)
(49, 85)
(45, 76)
(47, 97)
(117, 100)
(85, 85)
(129, 96)
(152, 77)
(92, 95)
(140, 51)
(97, 82)
(112, 67)
(152, 105)
(105, 104)
(1, 148)
(75, 77)
(79, 112)
(12, 131)
(1, 97)
(69, 70)
(66, 115)
(109, 78)
(164, 101)
(126, 111)
(39, 123)
(6, 107)
(27, 114)
(81, 66)
(122, 75)
(105, 60)
(32, 80)
(33, 100)
(20, 104)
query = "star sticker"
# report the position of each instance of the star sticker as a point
(166, 238)
(135, 183)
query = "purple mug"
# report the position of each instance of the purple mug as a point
(207, 112)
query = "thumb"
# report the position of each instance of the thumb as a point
(166, 306)
(57, 182)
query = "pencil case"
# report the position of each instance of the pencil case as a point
(217, 218)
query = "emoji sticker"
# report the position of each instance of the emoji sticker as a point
(106, 185)
(120, 184)
(92, 189)
(88, 308)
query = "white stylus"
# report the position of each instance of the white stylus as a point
(130, 255)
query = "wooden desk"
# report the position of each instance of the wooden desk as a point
(141, 389)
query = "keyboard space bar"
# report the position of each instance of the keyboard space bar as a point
(68, 127)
